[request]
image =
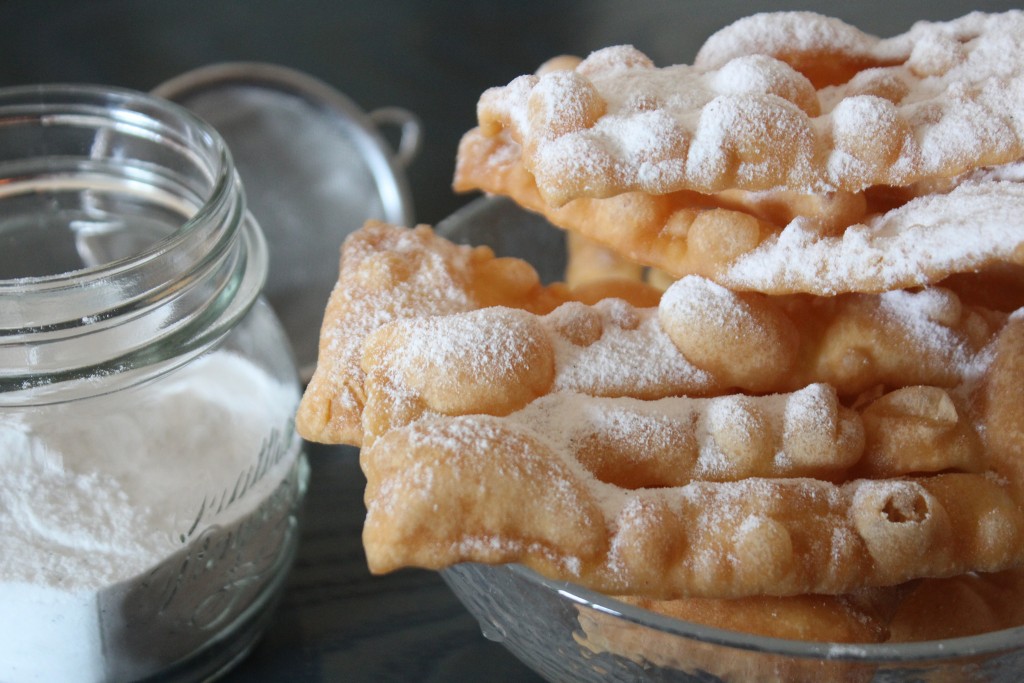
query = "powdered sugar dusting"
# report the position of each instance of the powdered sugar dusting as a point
(812, 407)
(386, 273)
(431, 288)
(782, 32)
(512, 489)
(926, 239)
(693, 298)
(641, 361)
(743, 116)
(737, 428)
(722, 438)
(481, 345)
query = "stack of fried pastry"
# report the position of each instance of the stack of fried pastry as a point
(785, 374)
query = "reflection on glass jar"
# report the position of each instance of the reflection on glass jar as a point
(150, 476)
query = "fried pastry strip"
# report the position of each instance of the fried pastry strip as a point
(588, 261)
(777, 242)
(496, 360)
(1002, 403)
(477, 488)
(920, 610)
(936, 101)
(702, 340)
(672, 441)
(388, 273)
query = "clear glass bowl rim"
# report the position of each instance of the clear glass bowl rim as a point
(993, 642)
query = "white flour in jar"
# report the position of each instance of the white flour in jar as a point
(95, 493)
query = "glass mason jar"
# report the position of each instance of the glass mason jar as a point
(150, 476)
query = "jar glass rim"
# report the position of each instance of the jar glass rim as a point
(164, 300)
(146, 108)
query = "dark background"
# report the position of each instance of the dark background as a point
(434, 58)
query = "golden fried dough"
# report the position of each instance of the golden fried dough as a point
(936, 101)
(919, 429)
(897, 338)
(702, 340)
(826, 50)
(389, 273)
(671, 441)
(924, 609)
(479, 488)
(781, 389)
(600, 632)
(588, 261)
(999, 286)
(647, 443)
(1002, 401)
(741, 337)
(778, 242)
(469, 405)
(609, 349)
(920, 610)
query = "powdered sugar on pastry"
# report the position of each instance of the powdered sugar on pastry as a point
(497, 360)
(938, 101)
(821, 245)
(793, 37)
(633, 355)
(974, 225)
(820, 395)
(496, 493)
(389, 273)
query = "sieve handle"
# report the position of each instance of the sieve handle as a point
(409, 127)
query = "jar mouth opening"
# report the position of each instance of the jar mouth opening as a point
(124, 236)
(112, 112)
(100, 270)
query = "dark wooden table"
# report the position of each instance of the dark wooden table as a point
(336, 622)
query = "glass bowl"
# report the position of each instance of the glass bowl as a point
(568, 633)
